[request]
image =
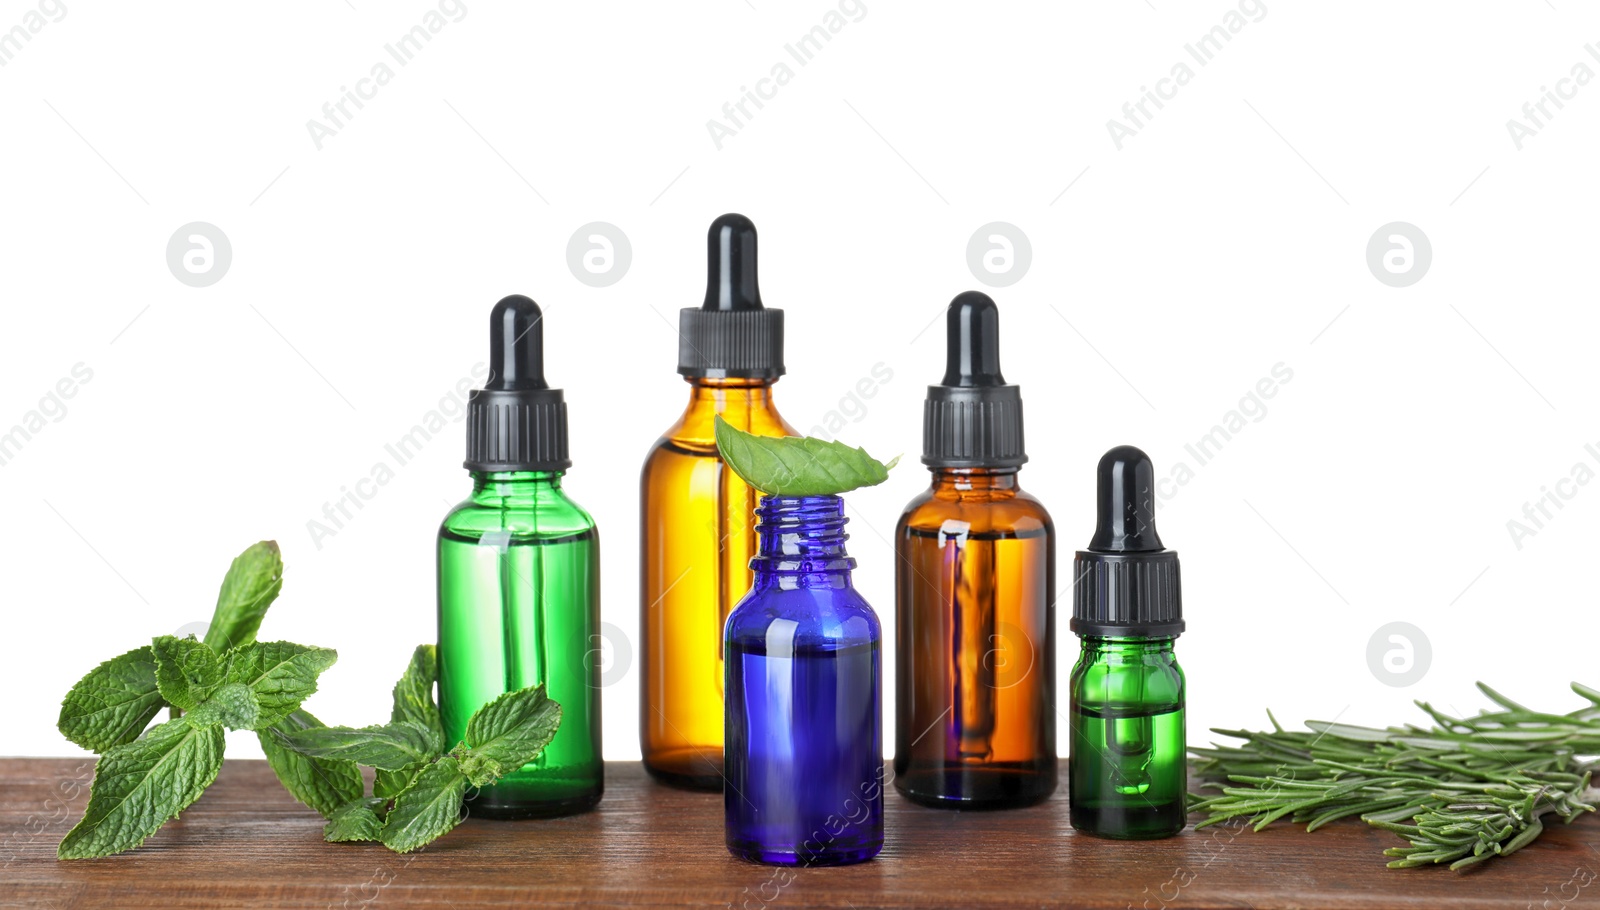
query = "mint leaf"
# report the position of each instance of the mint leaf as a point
(251, 585)
(281, 674)
(187, 671)
(391, 747)
(233, 705)
(138, 786)
(113, 703)
(356, 820)
(413, 694)
(798, 465)
(428, 808)
(323, 784)
(389, 784)
(509, 732)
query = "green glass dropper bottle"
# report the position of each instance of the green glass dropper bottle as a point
(519, 578)
(1128, 771)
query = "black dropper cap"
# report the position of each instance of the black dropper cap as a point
(731, 335)
(1127, 582)
(972, 419)
(516, 422)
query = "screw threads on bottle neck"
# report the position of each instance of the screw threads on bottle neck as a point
(803, 534)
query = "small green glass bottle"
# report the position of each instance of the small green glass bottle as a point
(519, 578)
(1128, 768)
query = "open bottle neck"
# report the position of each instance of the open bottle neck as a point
(801, 536)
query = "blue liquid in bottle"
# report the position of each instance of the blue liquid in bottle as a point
(804, 726)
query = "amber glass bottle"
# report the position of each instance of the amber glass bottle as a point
(975, 709)
(697, 528)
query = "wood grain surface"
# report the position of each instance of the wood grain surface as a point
(248, 844)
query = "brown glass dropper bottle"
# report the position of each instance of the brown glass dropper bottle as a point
(975, 641)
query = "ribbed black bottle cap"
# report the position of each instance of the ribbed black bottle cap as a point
(516, 422)
(1126, 582)
(972, 419)
(731, 335)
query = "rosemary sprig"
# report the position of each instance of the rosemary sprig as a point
(1461, 792)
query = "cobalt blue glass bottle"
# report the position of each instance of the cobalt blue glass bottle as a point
(804, 725)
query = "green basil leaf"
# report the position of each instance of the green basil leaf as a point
(798, 465)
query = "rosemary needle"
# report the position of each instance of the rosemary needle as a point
(1462, 791)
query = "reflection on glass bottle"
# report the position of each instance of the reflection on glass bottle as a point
(1128, 775)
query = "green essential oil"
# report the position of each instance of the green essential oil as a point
(1128, 772)
(1128, 769)
(519, 580)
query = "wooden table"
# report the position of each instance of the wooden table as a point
(247, 843)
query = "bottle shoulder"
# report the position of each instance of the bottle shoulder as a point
(552, 514)
(815, 616)
(1150, 676)
(694, 432)
(1016, 513)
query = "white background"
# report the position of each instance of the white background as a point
(1167, 278)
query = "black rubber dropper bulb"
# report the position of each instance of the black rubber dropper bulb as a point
(972, 342)
(731, 283)
(516, 345)
(1126, 505)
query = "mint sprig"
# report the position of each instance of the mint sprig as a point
(230, 681)
(143, 779)
(418, 786)
(798, 465)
